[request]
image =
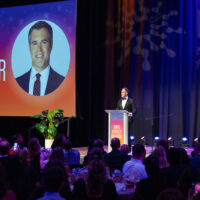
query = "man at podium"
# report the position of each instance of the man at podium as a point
(126, 103)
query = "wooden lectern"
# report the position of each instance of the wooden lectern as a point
(117, 126)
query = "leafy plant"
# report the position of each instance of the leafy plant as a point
(49, 122)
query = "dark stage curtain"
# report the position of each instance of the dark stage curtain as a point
(154, 50)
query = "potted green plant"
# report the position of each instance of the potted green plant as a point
(49, 121)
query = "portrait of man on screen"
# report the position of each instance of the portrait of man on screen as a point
(41, 79)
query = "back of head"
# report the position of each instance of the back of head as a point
(17, 138)
(124, 148)
(34, 147)
(59, 164)
(91, 143)
(164, 144)
(115, 143)
(98, 143)
(4, 147)
(53, 179)
(161, 156)
(138, 151)
(59, 140)
(152, 167)
(68, 145)
(197, 148)
(177, 156)
(96, 178)
(23, 156)
(95, 153)
(57, 154)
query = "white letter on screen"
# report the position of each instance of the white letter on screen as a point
(2, 69)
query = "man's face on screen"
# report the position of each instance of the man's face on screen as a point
(40, 49)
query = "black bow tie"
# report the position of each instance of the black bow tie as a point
(123, 98)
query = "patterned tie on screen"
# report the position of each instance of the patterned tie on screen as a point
(36, 89)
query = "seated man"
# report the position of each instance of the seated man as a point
(116, 159)
(134, 168)
(53, 181)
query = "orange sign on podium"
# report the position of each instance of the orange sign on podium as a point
(117, 126)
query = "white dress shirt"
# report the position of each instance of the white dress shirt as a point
(134, 169)
(124, 102)
(43, 80)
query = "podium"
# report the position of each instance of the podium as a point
(117, 126)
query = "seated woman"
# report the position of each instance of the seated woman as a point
(96, 186)
(34, 154)
(72, 156)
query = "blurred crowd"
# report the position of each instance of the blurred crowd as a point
(33, 172)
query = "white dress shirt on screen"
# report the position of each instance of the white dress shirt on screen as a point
(43, 80)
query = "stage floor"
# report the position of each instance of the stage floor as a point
(149, 149)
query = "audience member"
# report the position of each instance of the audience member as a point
(125, 148)
(27, 176)
(90, 146)
(99, 143)
(160, 154)
(7, 160)
(12, 167)
(71, 156)
(134, 168)
(116, 159)
(164, 144)
(4, 148)
(44, 157)
(196, 147)
(195, 159)
(34, 154)
(97, 186)
(53, 183)
(161, 144)
(95, 153)
(57, 154)
(64, 189)
(59, 140)
(165, 174)
(179, 161)
(149, 188)
(18, 140)
(185, 183)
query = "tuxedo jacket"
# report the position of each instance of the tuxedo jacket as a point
(53, 82)
(129, 106)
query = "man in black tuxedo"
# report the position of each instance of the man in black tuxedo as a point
(41, 79)
(126, 103)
